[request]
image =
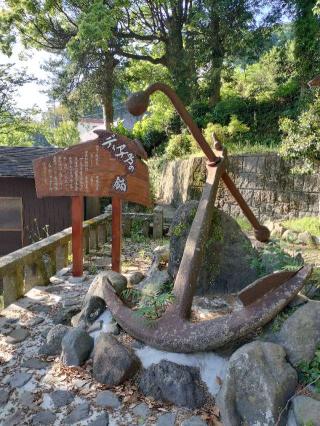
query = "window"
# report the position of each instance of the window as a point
(10, 214)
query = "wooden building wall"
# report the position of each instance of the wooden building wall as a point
(52, 211)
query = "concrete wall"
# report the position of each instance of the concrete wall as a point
(265, 182)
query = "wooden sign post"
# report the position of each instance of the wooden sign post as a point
(109, 165)
(77, 236)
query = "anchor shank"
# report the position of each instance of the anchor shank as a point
(186, 279)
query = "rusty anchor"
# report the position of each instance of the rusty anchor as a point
(262, 300)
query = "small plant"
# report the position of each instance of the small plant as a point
(92, 268)
(309, 372)
(131, 295)
(136, 231)
(273, 258)
(152, 307)
(281, 318)
(178, 229)
(244, 224)
(38, 234)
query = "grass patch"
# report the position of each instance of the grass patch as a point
(310, 224)
(244, 224)
(309, 372)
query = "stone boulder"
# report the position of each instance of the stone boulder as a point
(153, 284)
(113, 363)
(76, 345)
(257, 386)
(54, 340)
(226, 265)
(306, 411)
(92, 309)
(300, 333)
(171, 382)
(118, 282)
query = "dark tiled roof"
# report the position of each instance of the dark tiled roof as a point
(16, 161)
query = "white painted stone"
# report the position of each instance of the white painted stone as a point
(211, 365)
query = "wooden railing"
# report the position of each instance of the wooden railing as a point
(33, 265)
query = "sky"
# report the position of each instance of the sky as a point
(30, 94)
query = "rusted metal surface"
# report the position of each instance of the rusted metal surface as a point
(173, 333)
(186, 279)
(260, 287)
(262, 299)
(138, 103)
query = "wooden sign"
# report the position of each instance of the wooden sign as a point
(108, 165)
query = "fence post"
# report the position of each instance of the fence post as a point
(157, 222)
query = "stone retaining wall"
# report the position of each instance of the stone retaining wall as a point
(265, 182)
(33, 265)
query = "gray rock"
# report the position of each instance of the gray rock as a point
(95, 326)
(306, 238)
(257, 385)
(228, 253)
(60, 398)
(56, 280)
(35, 364)
(54, 340)
(170, 382)
(18, 335)
(141, 410)
(65, 313)
(92, 309)
(76, 346)
(26, 398)
(135, 277)
(19, 379)
(4, 397)
(118, 282)
(194, 421)
(107, 399)
(300, 333)
(80, 412)
(167, 419)
(306, 410)
(290, 236)
(16, 419)
(113, 363)
(153, 284)
(34, 321)
(77, 280)
(101, 420)
(43, 418)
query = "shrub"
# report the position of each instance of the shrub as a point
(301, 138)
(178, 146)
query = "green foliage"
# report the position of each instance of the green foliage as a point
(244, 224)
(309, 372)
(310, 224)
(152, 307)
(136, 231)
(301, 138)
(178, 146)
(281, 318)
(272, 256)
(65, 134)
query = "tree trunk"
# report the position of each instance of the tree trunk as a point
(177, 61)
(107, 108)
(106, 88)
